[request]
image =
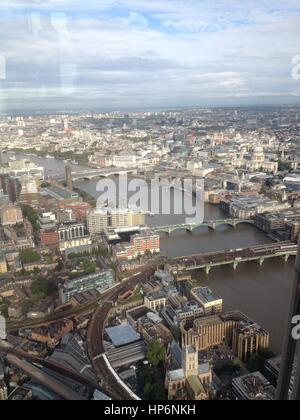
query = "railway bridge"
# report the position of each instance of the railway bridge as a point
(235, 257)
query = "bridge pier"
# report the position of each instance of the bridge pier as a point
(261, 261)
(235, 265)
(286, 257)
(207, 269)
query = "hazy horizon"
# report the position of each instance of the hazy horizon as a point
(129, 54)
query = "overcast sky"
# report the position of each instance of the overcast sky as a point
(106, 54)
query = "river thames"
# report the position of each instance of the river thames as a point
(262, 293)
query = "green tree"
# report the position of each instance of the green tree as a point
(42, 288)
(284, 166)
(227, 366)
(89, 267)
(154, 391)
(32, 215)
(26, 306)
(156, 353)
(29, 213)
(4, 310)
(257, 361)
(176, 332)
(60, 265)
(29, 256)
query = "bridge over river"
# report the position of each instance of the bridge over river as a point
(211, 224)
(90, 174)
(235, 257)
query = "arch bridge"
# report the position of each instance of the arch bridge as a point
(99, 173)
(211, 224)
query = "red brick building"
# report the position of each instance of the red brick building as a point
(49, 237)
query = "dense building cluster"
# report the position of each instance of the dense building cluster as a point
(64, 256)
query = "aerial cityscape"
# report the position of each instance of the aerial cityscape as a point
(147, 246)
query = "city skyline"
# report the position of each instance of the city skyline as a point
(126, 54)
(149, 202)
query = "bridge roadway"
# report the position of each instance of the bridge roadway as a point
(257, 253)
(104, 173)
(211, 224)
(95, 339)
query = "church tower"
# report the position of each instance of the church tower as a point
(190, 363)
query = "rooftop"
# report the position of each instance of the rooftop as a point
(195, 385)
(176, 375)
(122, 334)
(205, 294)
(156, 295)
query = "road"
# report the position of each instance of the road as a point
(95, 338)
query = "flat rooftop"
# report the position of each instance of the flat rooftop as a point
(205, 294)
(160, 294)
(122, 335)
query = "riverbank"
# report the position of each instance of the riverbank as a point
(87, 198)
(75, 158)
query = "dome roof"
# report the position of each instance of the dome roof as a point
(258, 150)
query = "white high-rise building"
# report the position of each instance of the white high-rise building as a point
(2, 328)
(100, 219)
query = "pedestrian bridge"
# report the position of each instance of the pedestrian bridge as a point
(212, 224)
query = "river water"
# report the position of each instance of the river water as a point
(262, 293)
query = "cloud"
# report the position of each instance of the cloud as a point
(140, 52)
(133, 19)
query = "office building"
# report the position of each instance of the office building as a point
(10, 215)
(100, 281)
(246, 207)
(60, 193)
(2, 328)
(20, 167)
(11, 187)
(100, 219)
(3, 264)
(30, 185)
(140, 244)
(124, 161)
(233, 328)
(47, 220)
(205, 297)
(144, 242)
(249, 340)
(71, 231)
(156, 301)
(253, 387)
(183, 316)
(49, 237)
(73, 235)
(66, 216)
